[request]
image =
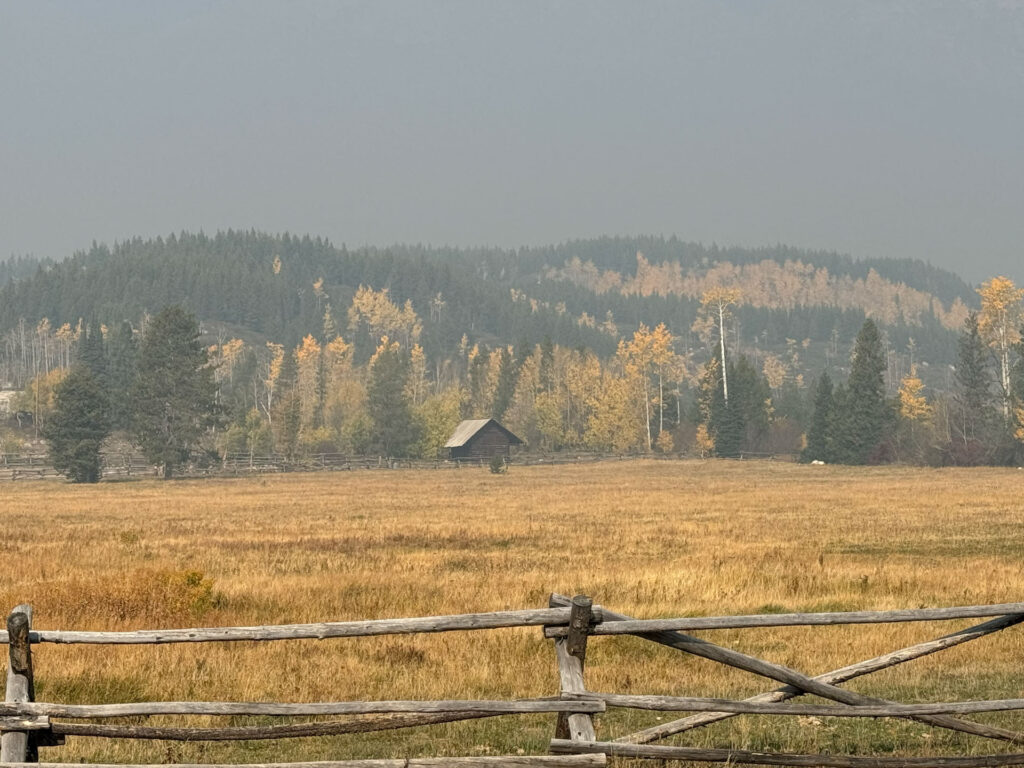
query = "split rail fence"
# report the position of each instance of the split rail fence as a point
(27, 725)
(17, 467)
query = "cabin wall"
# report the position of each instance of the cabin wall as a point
(485, 444)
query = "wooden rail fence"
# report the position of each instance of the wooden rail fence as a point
(27, 725)
(17, 467)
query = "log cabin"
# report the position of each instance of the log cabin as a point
(480, 439)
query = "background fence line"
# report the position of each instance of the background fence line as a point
(21, 467)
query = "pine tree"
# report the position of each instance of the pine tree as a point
(288, 411)
(507, 370)
(819, 438)
(91, 351)
(394, 429)
(174, 394)
(975, 411)
(864, 414)
(121, 359)
(78, 426)
(547, 365)
(751, 402)
(1017, 389)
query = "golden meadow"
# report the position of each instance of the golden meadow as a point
(646, 538)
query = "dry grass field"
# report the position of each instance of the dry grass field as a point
(647, 538)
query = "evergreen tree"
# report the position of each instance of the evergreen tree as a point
(288, 413)
(1017, 392)
(174, 393)
(394, 428)
(78, 426)
(750, 398)
(507, 371)
(975, 411)
(722, 423)
(91, 352)
(864, 414)
(547, 365)
(121, 354)
(819, 436)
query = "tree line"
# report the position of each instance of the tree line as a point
(182, 400)
(979, 421)
(495, 297)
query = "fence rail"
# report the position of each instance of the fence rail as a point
(27, 725)
(15, 467)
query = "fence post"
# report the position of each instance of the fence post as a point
(571, 652)
(16, 746)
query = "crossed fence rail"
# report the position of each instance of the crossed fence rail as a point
(27, 724)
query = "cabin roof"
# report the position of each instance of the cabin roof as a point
(469, 428)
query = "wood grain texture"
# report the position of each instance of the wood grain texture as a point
(300, 709)
(570, 654)
(504, 761)
(708, 650)
(14, 745)
(260, 732)
(841, 675)
(696, 754)
(690, 623)
(320, 631)
(694, 704)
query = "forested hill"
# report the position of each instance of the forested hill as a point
(585, 293)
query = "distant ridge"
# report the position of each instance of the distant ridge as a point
(578, 293)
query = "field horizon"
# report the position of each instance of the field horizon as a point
(647, 538)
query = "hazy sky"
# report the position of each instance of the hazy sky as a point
(878, 129)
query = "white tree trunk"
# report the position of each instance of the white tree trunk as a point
(721, 339)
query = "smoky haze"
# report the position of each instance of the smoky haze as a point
(878, 129)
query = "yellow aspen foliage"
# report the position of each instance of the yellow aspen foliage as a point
(385, 345)
(231, 350)
(339, 356)
(277, 265)
(1018, 431)
(775, 371)
(637, 358)
(521, 416)
(38, 396)
(307, 364)
(550, 426)
(664, 442)
(416, 386)
(224, 357)
(771, 285)
(609, 326)
(704, 443)
(437, 416)
(913, 405)
(274, 366)
(613, 424)
(374, 312)
(1002, 310)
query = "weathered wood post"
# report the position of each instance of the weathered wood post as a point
(571, 652)
(15, 746)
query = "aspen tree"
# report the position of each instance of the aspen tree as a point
(717, 304)
(999, 321)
